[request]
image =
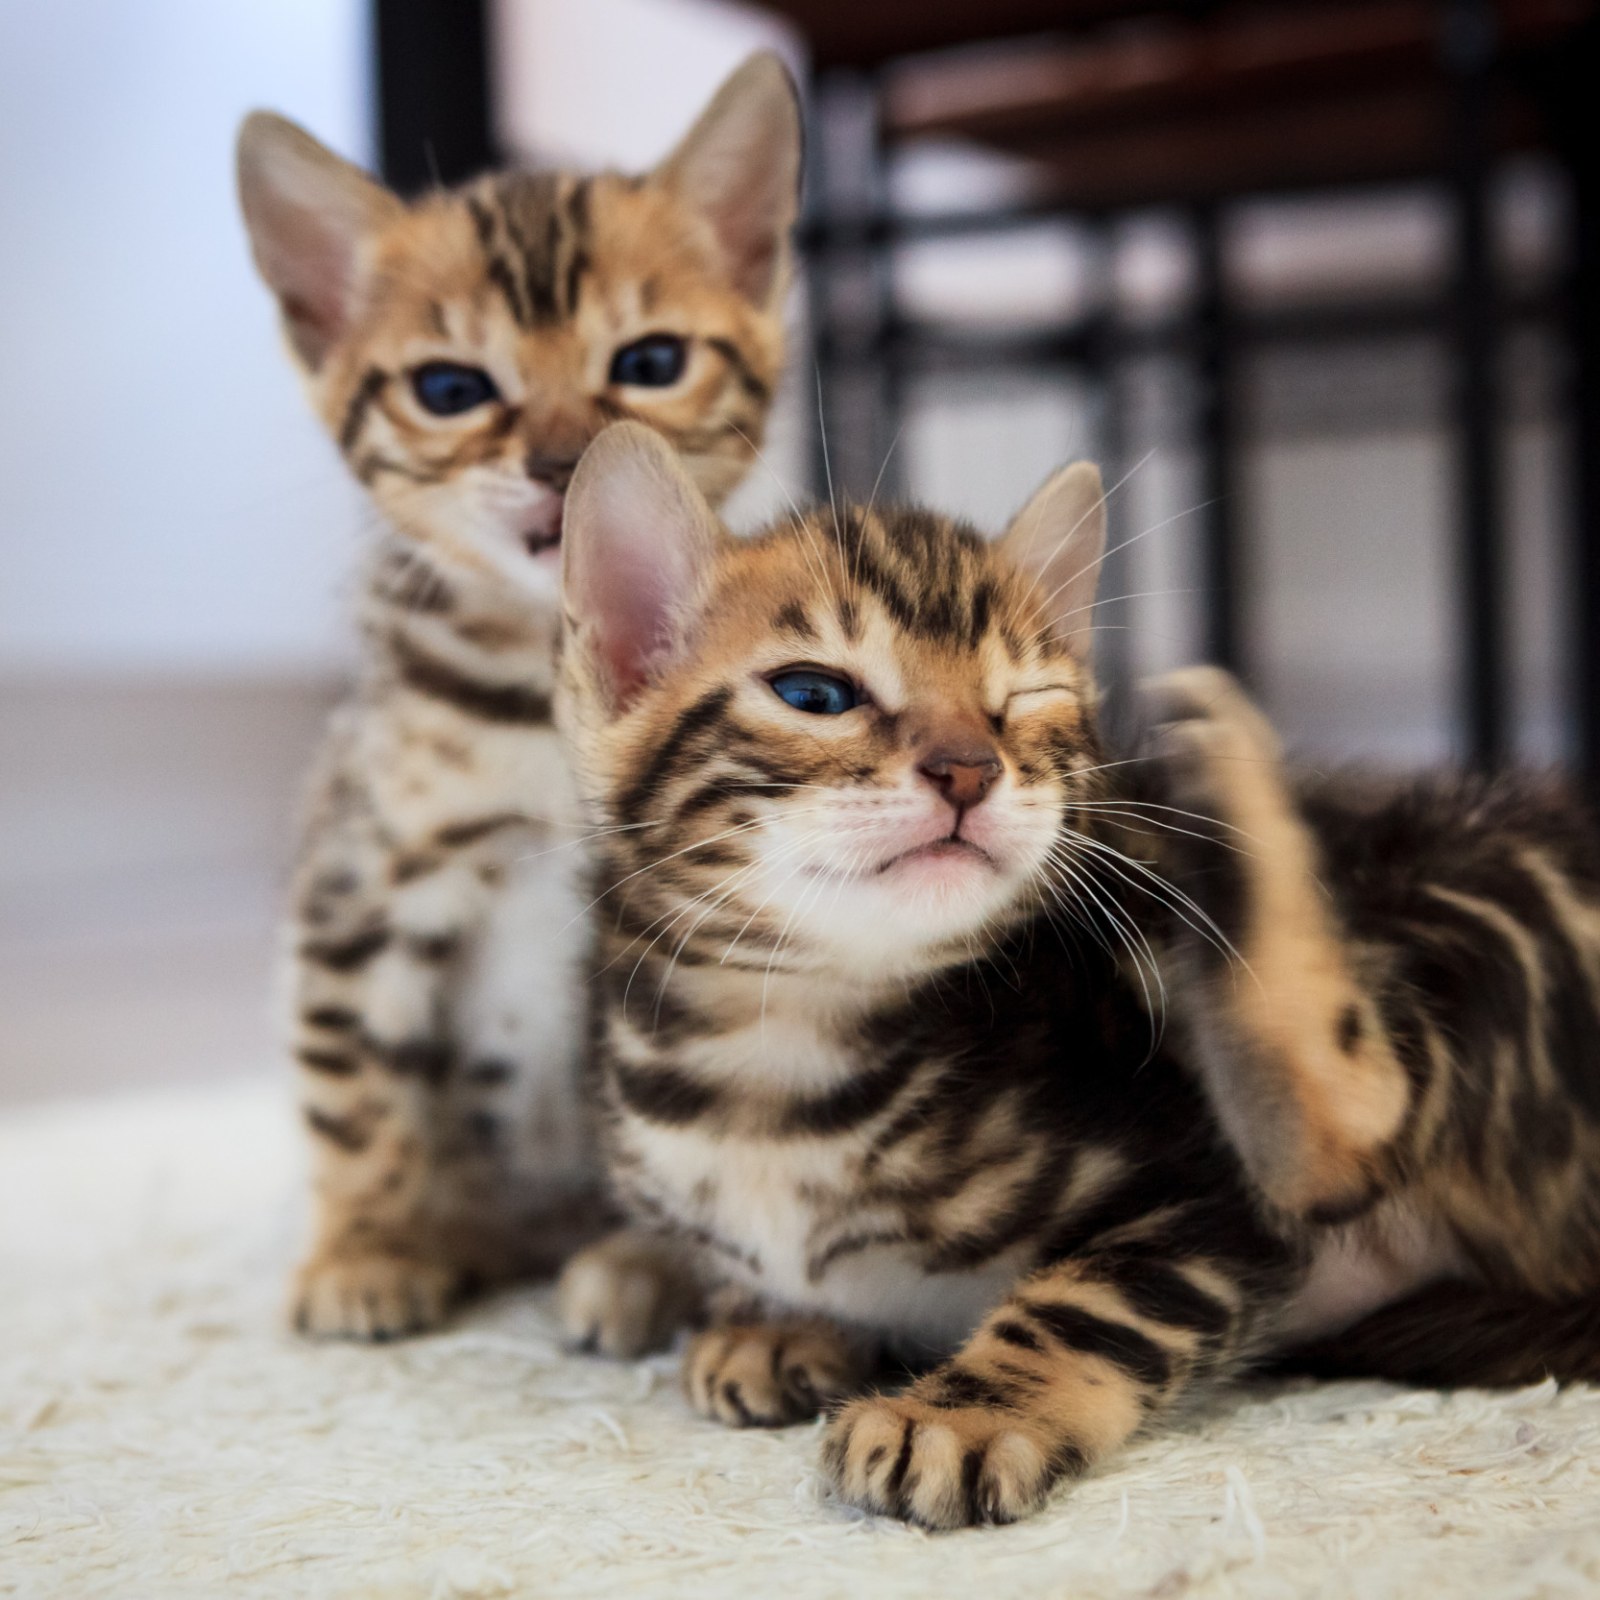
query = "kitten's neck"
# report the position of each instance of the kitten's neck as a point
(419, 606)
(803, 998)
(791, 999)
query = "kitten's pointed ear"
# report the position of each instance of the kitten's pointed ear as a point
(1059, 538)
(308, 212)
(637, 544)
(739, 167)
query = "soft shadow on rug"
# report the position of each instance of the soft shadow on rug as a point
(160, 1435)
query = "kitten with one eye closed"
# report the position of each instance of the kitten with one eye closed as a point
(462, 349)
(882, 938)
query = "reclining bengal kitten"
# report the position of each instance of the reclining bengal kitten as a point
(462, 350)
(880, 1038)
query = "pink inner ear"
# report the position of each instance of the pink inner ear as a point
(743, 220)
(314, 269)
(638, 536)
(634, 608)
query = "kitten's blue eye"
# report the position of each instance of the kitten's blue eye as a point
(653, 362)
(820, 693)
(446, 388)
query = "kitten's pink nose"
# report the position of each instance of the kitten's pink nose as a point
(963, 775)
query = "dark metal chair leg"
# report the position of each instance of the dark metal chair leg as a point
(435, 117)
(1113, 653)
(1469, 47)
(855, 389)
(1216, 426)
(1572, 80)
(816, 386)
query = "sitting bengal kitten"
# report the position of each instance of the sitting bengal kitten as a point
(880, 1034)
(462, 350)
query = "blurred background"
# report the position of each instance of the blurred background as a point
(1314, 280)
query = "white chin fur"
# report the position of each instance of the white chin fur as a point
(886, 924)
(483, 520)
(537, 576)
(886, 921)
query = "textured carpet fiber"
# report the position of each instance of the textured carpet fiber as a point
(161, 1437)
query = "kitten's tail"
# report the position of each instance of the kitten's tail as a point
(1459, 1335)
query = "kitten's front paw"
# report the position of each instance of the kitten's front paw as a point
(1203, 720)
(378, 1295)
(939, 1466)
(624, 1296)
(1217, 773)
(765, 1375)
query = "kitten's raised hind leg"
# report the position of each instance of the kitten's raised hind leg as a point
(1290, 1043)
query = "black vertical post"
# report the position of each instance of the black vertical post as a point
(1113, 653)
(1572, 78)
(1469, 48)
(435, 118)
(1217, 436)
(888, 388)
(853, 395)
(1586, 443)
(817, 386)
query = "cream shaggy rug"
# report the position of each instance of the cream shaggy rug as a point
(161, 1437)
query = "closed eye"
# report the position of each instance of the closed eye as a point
(1043, 688)
(819, 694)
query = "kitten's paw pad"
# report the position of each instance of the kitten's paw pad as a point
(623, 1297)
(940, 1467)
(376, 1296)
(765, 1376)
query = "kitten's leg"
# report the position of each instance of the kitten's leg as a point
(373, 961)
(1299, 1065)
(769, 1374)
(1056, 1379)
(626, 1294)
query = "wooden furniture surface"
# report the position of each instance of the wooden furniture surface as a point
(866, 33)
(1252, 97)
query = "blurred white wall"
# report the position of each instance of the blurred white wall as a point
(166, 500)
(615, 82)
(175, 534)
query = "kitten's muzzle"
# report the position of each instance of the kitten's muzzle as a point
(543, 533)
(555, 473)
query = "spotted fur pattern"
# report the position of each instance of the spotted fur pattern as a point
(889, 1060)
(437, 937)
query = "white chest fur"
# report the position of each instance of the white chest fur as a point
(751, 1198)
(778, 1212)
(521, 1004)
(516, 1009)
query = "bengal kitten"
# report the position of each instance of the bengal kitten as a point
(462, 350)
(881, 1036)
